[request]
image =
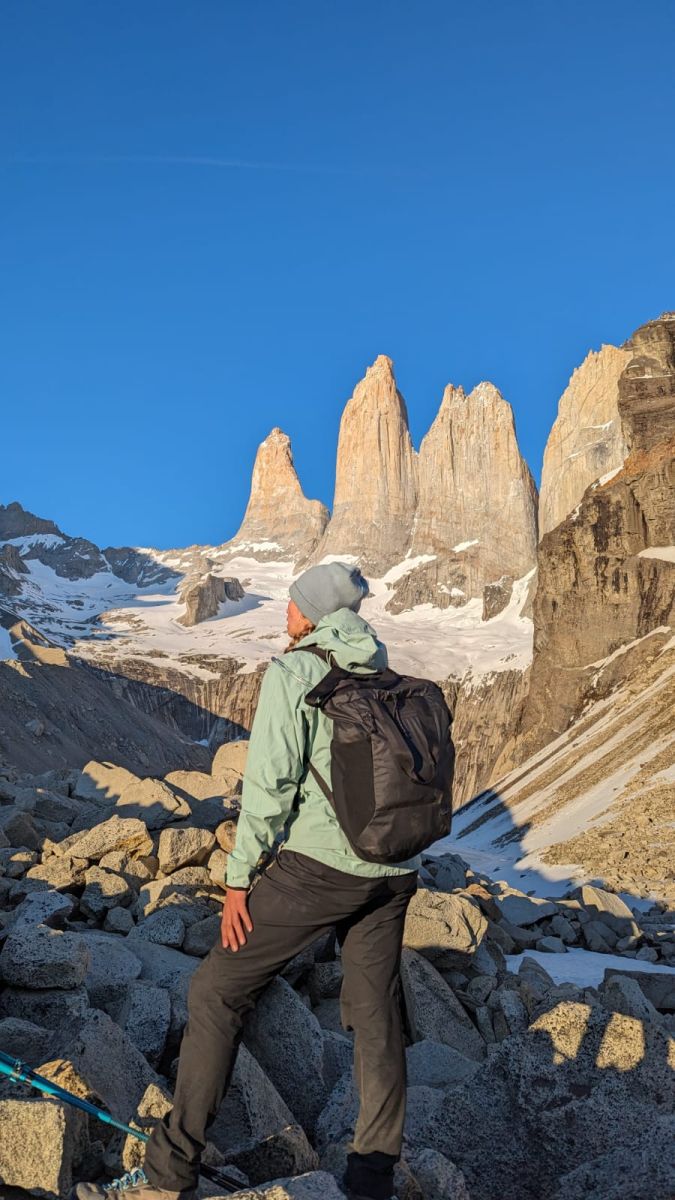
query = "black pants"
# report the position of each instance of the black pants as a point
(295, 900)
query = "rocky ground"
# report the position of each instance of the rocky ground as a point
(520, 1087)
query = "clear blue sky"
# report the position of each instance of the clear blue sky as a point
(215, 214)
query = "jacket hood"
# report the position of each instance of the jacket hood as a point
(352, 640)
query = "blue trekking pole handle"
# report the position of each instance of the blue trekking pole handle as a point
(20, 1073)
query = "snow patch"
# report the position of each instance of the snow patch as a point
(29, 540)
(666, 552)
(6, 648)
(586, 968)
(465, 545)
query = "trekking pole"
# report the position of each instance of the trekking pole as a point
(20, 1073)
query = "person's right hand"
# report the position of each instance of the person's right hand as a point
(235, 918)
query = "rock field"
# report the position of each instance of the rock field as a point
(519, 1088)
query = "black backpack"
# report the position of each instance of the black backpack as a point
(392, 759)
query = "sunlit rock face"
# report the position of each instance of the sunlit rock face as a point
(279, 522)
(606, 574)
(586, 440)
(476, 517)
(376, 476)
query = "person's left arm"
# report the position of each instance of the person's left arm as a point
(274, 767)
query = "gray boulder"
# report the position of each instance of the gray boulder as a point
(112, 968)
(153, 801)
(145, 1017)
(445, 928)
(39, 957)
(25, 1040)
(522, 910)
(438, 1177)
(434, 1064)
(287, 1040)
(51, 1007)
(433, 1010)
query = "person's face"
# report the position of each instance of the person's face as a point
(296, 623)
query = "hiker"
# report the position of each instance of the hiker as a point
(315, 883)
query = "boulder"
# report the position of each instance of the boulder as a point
(145, 1017)
(448, 871)
(202, 936)
(287, 1040)
(315, 1185)
(623, 995)
(58, 874)
(112, 1066)
(437, 1065)
(522, 910)
(135, 870)
(51, 1007)
(183, 848)
(102, 782)
(112, 967)
(230, 760)
(19, 828)
(433, 1011)
(153, 802)
(445, 928)
(42, 908)
(437, 1176)
(165, 926)
(657, 986)
(286, 1152)
(551, 945)
(610, 910)
(103, 890)
(25, 1040)
(39, 957)
(41, 1143)
(642, 1168)
(226, 833)
(252, 1109)
(508, 1013)
(125, 833)
(118, 920)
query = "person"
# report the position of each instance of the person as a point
(314, 884)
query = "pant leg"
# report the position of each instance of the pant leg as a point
(288, 913)
(371, 943)
(296, 900)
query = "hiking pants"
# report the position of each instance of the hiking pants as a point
(296, 900)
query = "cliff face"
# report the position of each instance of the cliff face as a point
(376, 476)
(476, 513)
(606, 574)
(586, 441)
(279, 522)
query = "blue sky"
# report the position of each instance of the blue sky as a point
(214, 215)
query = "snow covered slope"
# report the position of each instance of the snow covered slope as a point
(598, 801)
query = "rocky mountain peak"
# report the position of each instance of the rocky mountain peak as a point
(278, 517)
(476, 509)
(376, 475)
(587, 440)
(16, 521)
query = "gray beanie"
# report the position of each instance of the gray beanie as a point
(322, 589)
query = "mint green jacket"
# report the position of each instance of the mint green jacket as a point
(275, 772)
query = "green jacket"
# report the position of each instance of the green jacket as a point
(275, 769)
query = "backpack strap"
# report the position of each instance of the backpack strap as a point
(326, 655)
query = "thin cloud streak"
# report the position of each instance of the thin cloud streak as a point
(214, 163)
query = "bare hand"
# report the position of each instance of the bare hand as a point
(235, 919)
